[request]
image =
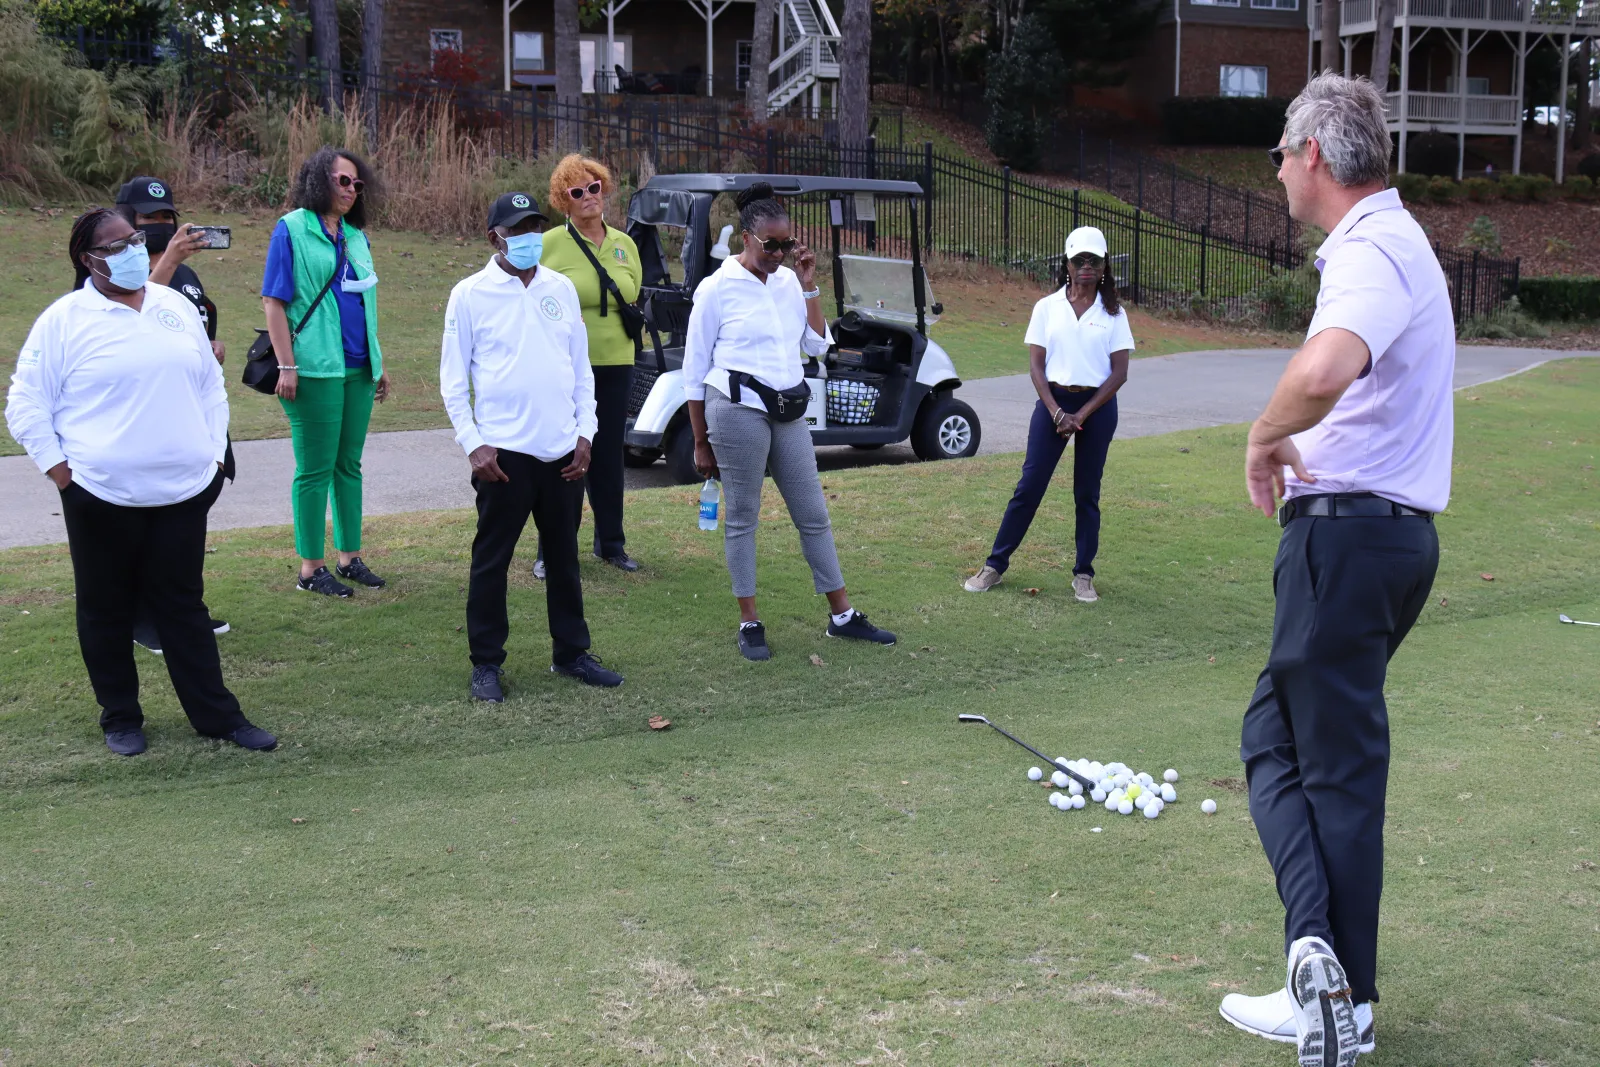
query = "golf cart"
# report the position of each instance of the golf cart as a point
(882, 382)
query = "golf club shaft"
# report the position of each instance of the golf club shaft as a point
(1580, 622)
(1080, 779)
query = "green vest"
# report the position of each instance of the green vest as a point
(319, 350)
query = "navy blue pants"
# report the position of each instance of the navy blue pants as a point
(1316, 735)
(1044, 452)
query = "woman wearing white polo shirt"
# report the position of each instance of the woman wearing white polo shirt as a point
(1078, 347)
(118, 399)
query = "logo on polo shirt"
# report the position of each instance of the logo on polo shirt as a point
(192, 292)
(158, 190)
(519, 201)
(622, 256)
(551, 308)
(170, 319)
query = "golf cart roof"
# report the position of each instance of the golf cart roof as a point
(782, 184)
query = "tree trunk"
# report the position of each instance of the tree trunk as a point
(325, 43)
(1583, 134)
(855, 62)
(1383, 45)
(371, 65)
(755, 90)
(1332, 50)
(569, 74)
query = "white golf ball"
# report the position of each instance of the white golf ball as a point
(1062, 761)
(1075, 787)
(1208, 806)
(1107, 783)
(1123, 779)
(1152, 810)
(1077, 801)
(1097, 795)
(1055, 800)
(1168, 793)
(1034, 774)
(1096, 769)
(1111, 805)
(1060, 779)
(1126, 807)
(1169, 775)
(1144, 779)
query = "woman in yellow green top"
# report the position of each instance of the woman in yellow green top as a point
(336, 372)
(578, 189)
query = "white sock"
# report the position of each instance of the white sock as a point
(844, 616)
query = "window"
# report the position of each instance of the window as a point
(1475, 86)
(741, 65)
(443, 41)
(1244, 81)
(527, 51)
(590, 48)
(1214, 3)
(1277, 5)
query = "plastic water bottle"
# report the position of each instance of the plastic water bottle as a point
(710, 496)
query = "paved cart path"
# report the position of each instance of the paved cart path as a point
(416, 470)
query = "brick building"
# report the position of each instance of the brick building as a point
(1221, 48)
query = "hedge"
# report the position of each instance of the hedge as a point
(1241, 120)
(1561, 297)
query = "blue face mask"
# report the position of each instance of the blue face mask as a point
(524, 250)
(130, 268)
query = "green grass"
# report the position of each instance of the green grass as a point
(815, 865)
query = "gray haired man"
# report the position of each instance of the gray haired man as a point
(1357, 440)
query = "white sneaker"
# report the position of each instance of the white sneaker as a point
(985, 580)
(1325, 1016)
(1083, 588)
(1272, 1017)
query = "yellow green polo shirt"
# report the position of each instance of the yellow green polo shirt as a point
(609, 345)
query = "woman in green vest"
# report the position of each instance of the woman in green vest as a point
(319, 291)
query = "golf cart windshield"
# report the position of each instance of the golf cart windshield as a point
(879, 290)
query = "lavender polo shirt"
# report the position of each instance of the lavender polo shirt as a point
(1393, 430)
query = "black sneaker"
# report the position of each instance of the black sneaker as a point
(125, 742)
(538, 569)
(357, 571)
(145, 636)
(323, 582)
(252, 737)
(587, 669)
(486, 683)
(753, 642)
(859, 629)
(622, 561)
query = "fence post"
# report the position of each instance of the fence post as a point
(1288, 239)
(927, 198)
(872, 172)
(1077, 195)
(1172, 207)
(1081, 137)
(1136, 244)
(1205, 236)
(1248, 200)
(1108, 170)
(1474, 292)
(1460, 302)
(1210, 185)
(772, 151)
(1139, 181)
(1005, 210)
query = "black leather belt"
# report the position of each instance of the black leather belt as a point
(1346, 506)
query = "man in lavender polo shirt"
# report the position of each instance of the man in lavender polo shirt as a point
(1357, 439)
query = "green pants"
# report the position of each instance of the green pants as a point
(328, 423)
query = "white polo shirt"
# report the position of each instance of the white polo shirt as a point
(514, 367)
(133, 401)
(1077, 351)
(1393, 431)
(743, 324)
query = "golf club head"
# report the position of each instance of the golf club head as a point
(1565, 619)
(980, 718)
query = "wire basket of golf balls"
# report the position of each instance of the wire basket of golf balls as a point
(852, 402)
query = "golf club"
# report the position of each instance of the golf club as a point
(1080, 779)
(1577, 622)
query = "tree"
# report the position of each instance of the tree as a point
(755, 88)
(1094, 38)
(372, 12)
(854, 104)
(569, 73)
(1332, 49)
(1383, 45)
(1023, 82)
(325, 46)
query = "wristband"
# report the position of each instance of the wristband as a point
(812, 294)
(282, 366)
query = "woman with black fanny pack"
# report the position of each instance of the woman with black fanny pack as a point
(751, 320)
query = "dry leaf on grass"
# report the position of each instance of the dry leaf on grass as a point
(1487, 577)
(297, 820)
(1032, 590)
(656, 722)
(816, 660)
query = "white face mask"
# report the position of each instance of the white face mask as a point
(351, 284)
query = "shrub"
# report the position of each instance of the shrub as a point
(1444, 190)
(1413, 188)
(1482, 236)
(1433, 154)
(1021, 82)
(1578, 187)
(1516, 187)
(1223, 119)
(1589, 166)
(1481, 190)
(1561, 297)
(1510, 323)
(1284, 301)
(1541, 187)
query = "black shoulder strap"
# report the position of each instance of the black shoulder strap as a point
(606, 284)
(734, 378)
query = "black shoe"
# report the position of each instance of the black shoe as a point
(587, 669)
(753, 642)
(859, 629)
(126, 742)
(145, 636)
(538, 569)
(219, 627)
(252, 737)
(486, 683)
(323, 582)
(357, 571)
(622, 561)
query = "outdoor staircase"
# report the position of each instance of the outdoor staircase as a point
(808, 51)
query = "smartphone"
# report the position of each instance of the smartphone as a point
(214, 236)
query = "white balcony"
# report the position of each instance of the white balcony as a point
(1359, 16)
(1483, 114)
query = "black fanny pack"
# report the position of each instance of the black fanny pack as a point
(783, 405)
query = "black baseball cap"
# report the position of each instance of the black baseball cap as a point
(511, 208)
(147, 196)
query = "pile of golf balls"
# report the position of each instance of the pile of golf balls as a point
(1117, 786)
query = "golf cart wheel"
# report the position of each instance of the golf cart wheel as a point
(639, 457)
(680, 456)
(946, 428)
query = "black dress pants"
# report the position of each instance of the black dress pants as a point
(126, 559)
(536, 488)
(612, 387)
(1316, 735)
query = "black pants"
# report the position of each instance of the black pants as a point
(536, 488)
(1316, 735)
(127, 559)
(1091, 444)
(612, 386)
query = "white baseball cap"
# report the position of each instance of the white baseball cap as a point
(1086, 239)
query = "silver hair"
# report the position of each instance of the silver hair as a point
(1346, 116)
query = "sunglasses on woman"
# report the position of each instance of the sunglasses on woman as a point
(347, 182)
(116, 248)
(1086, 259)
(772, 245)
(578, 192)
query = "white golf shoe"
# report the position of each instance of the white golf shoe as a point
(1272, 1017)
(1325, 1016)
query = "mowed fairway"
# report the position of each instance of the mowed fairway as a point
(815, 865)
